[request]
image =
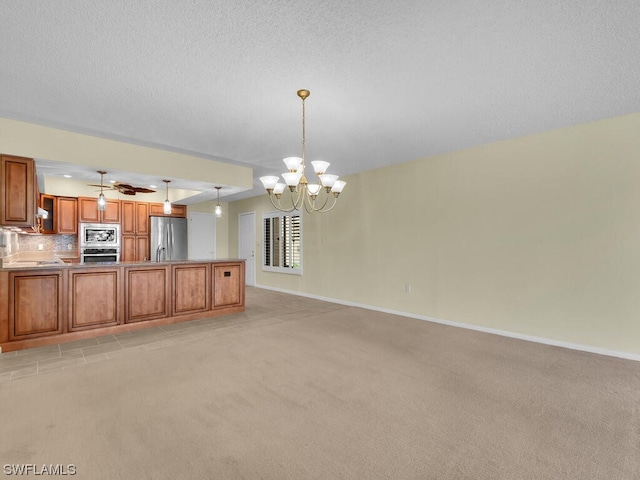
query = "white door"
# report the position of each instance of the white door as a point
(247, 245)
(202, 236)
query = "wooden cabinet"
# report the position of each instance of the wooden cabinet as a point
(35, 304)
(135, 231)
(62, 215)
(93, 298)
(67, 215)
(157, 209)
(134, 248)
(48, 203)
(147, 293)
(88, 211)
(18, 198)
(190, 288)
(135, 218)
(228, 284)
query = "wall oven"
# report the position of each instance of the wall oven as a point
(99, 242)
(95, 255)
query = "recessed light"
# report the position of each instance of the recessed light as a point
(153, 186)
(112, 181)
(66, 175)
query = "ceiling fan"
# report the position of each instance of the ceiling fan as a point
(124, 188)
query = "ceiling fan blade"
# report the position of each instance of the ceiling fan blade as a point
(143, 190)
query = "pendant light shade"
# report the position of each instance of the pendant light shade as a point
(102, 201)
(218, 208)
(167, 204)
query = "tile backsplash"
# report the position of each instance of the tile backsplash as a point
(12, 242)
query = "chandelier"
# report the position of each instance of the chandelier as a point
(313, 197)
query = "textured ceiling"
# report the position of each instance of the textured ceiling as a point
(390, 81)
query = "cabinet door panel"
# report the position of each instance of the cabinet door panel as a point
(128, 248)
(190, 289)
(88, 210)
(93, 298)
(128, 224)
(111, 214)
(142, 248)
(142, 218)
(147, 293)
(67, 215)
(35, 304)
(227, 289)
(18, 202)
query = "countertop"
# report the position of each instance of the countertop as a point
(51, 265)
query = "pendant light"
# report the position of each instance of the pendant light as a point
(218, 209)
(167, 203)
(102, 201)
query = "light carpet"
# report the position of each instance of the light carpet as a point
(296, 388)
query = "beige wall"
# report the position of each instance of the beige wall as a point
(536, 236)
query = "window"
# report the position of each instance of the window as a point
(282, 242)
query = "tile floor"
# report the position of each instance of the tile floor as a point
(39, 360)
(263, 307)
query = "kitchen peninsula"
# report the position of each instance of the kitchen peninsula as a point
(59, 303)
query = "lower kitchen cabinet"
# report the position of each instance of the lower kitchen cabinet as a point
(35, 304)
(147, 290)
(54, 304)
(135, 248)
(93, 298)
(228, 285)
(191, 287)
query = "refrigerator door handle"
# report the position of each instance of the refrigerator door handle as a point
(170, 241)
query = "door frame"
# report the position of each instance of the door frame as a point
(252, 238)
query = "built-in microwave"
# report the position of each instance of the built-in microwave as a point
(99, 235)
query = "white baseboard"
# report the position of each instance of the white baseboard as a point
(494, 331)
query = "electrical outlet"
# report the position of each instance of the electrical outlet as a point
(407, 288)
(40, 246)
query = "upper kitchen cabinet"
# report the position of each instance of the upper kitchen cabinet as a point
(18, 201)
(135, 217)
(157, 209)
(62, 215)
(88, 211)
(67, 215)
(49, 223)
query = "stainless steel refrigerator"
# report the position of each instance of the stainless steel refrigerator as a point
(168, 238)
